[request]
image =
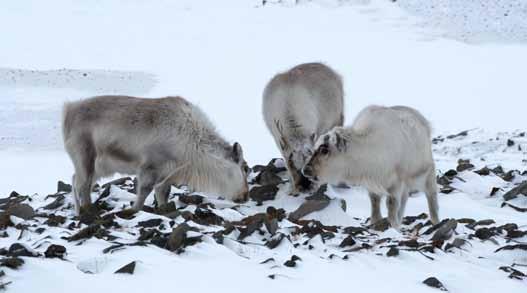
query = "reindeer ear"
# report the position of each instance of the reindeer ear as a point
(237, 152)
(341, 140)
(313, 137)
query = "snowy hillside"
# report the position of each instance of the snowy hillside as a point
(462, 64)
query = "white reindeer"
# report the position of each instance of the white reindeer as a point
(388, 151)
(164, 141)
(298, 106)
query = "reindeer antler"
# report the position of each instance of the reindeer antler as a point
(283, 143)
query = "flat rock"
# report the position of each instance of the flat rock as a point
(194, 199)
(308, 207)
(17, 250)
(55, 251)
(445, 231)
(11, 262)
(150, 223)
(513, 193)
(434, 283)
(263, 193)
(63, 187)
(22, 210)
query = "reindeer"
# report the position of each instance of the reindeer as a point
(164, 141)
(298, 106)
(387, 150)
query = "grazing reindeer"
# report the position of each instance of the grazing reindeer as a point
(298, 106)
(164, 141)
(386, 150)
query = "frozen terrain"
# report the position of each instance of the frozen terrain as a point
(461, 63)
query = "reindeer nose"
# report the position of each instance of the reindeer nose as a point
(307, 171)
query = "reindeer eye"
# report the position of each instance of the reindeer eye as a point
(324, 149)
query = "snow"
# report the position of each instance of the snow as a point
(219, 54)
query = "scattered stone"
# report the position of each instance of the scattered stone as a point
(522, 210)
(457, 243)
(275, 241)
(55, 251)
(408, 220)
(57, 203)
(127, 269)
(412, 243)
(11, 262)
(271, 225)
(485, 171)
(484, 233)
(55, 220)
(118, 182)
(205, 216)
(510, 142)
(63, 187)
(348, 241)
(17, 250)
(513, 247)
(179, 239)
(354, 231)
(150, 223)
(22, 210)
(434, 283)
(194, 199)
(169, 210)
(263, 193)
(514, 273)
(445, 231)
(94, 230)
(126, 214)
(393, 251)
(509, 176)
(466, 221)
(292, 262)
(461, 134)
(498, 170)
(308, 207)
(268, 177)
(464, 165)
(481, 223)
(451, 173)
(494, 191)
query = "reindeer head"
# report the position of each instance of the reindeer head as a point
(327, 158)
(296, 149)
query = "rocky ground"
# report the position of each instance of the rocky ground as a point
(283, 229)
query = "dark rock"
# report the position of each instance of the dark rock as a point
(521, 210)
(126, 214)
(461, 134)
(514, 273)
(57, 203)
(413, 243)
(446, 189)
(485, 171)
(88, 232)
(55, 220)
(308, 207)
(17, 250)
(444, 180)
(457, 243)
(509, 176)
(312, 228)
(127, 269)
(55, 251)
(11, 262)
(5, 221)
(434, 283)
(516, 233)
(290, 263)
(464, 165)
(206, 217)
(513, 247)
(451, 173)
(445, 231)
(484, 233)
(150, 223)
(194, 199)
(263, 193)
(273, 213)
(168, 209)
(348, 241)
(381, 225)
(494, 191)
(481, 223)
(393, 251)
(22, 210)
(88, 215)
(268, 177)
(271, 225)
(510, 142)
(178, 239)
(466, 221)
(355, 230)
(320, 194)
(435, 227)
(411, 219)
(498, 170)
(513, 193)
(63, 187)
(275, 241)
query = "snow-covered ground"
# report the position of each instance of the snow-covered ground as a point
(219, 55)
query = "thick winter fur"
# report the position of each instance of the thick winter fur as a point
(164, 141)
(388, 151)
(298, 106)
